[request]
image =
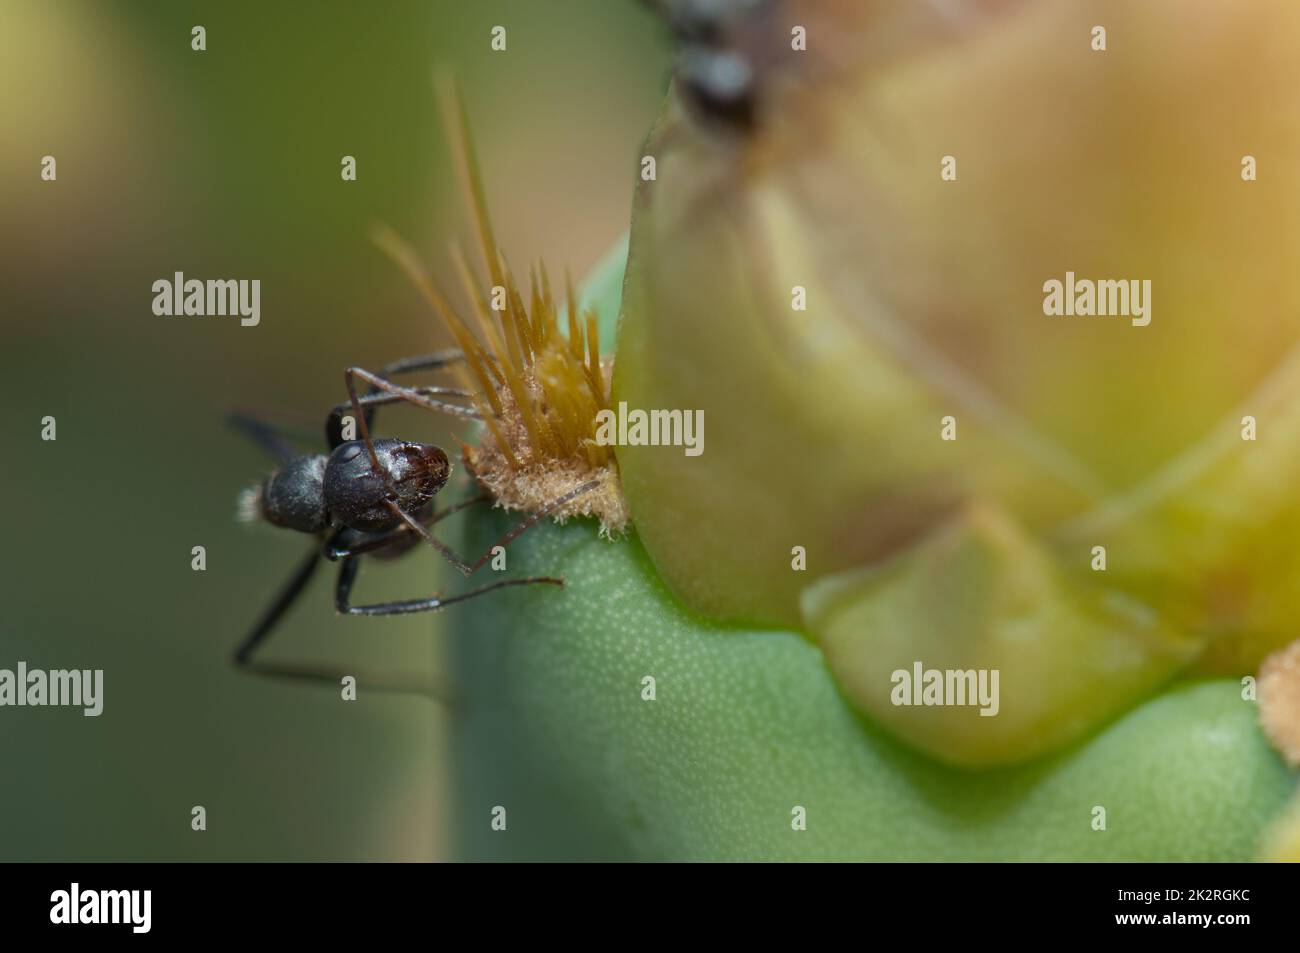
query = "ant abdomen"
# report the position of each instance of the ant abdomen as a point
(293, 497)
(410, 475)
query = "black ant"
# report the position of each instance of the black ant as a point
(367, 497)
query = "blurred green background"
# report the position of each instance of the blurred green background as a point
(225, 164)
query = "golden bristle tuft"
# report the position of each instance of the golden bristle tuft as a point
(538, 385)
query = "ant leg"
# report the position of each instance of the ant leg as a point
(421, 362)
(334, 552)
(288, 595)
(468, 569)
(264, 435)
(375, 398)
(348, 575)
(244, 661)
(410, 395)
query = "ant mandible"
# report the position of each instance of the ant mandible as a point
(367, 497)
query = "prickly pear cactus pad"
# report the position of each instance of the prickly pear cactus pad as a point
(974, 535)
(747, 727)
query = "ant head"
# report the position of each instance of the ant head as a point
(719, 44)
(356, 496)
(718, 87)
(292, 496)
